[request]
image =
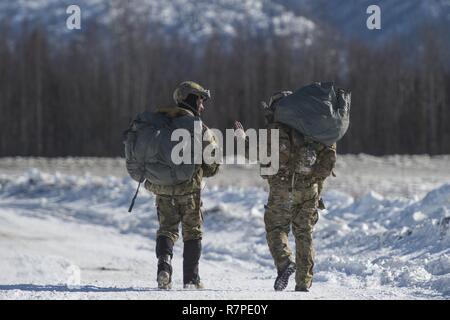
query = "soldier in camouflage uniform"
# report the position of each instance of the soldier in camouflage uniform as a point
(294, 200)
(182, 202)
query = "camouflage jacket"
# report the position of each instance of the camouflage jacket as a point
(306, 158)
(202, 170)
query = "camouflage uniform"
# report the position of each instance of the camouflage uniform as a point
(294, 199)
(181, 203)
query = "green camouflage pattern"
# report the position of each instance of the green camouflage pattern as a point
(181, 203)
(294, 200)
(175, 209)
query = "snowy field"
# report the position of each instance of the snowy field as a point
(65, 233)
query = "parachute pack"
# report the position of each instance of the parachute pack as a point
(148, 149)
(319, 111)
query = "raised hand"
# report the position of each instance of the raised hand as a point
(240, 131)
(238, 125)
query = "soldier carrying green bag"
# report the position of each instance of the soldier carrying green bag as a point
(177, 187)
(310, 121)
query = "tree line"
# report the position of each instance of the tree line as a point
(75, 96)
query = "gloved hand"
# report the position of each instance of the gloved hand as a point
(240, 131)
(321, 205)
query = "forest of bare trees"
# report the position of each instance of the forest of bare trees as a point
(75, 96)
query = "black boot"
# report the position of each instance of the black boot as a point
(191, 257)
(164, 253)
(282, 279)
(301, 288)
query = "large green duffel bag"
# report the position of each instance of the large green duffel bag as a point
(319, 111)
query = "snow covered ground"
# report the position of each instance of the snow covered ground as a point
(65, 233)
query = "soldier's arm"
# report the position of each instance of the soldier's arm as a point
(241, 137)
(283, 148)
(284, 145)
(326, 160)
(212, 169)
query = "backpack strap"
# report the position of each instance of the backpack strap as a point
(135, 195)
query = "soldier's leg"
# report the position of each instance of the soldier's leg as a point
(169, 220)
(305, 216)
(277, 219)
(192, 221)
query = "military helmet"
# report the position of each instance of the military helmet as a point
(277, 96)
(189, 87)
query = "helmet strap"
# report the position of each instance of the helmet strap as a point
(186, 105)
(191, 103)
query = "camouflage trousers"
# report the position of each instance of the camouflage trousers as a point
(180, 208)
(292, 204)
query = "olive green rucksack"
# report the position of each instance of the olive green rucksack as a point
(320, 111)
(148, 149)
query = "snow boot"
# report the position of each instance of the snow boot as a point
(164, 253)
(191, 256)
(164, 277)
(301, 288)
(282, 279)
(191, 285)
